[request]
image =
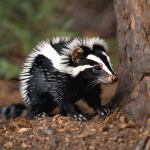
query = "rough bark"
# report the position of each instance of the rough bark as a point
(133, 40)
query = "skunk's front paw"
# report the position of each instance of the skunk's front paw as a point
(40, 116)
(77, 117)
(102, 111)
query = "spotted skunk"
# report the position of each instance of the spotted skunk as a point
(62, 70)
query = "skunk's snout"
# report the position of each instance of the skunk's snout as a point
(114, 78)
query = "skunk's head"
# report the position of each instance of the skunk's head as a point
(89, 59)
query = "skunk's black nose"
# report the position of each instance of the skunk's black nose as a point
(114, 78)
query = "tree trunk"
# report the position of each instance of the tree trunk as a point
(133, 39)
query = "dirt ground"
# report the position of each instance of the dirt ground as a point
(61, 133)
(114, 132)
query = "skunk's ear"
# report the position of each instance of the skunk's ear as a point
(77, 54)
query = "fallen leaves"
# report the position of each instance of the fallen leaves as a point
(61, 132)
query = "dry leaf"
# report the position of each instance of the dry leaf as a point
(93, 130)
(137, 136)
(24, 146)
(117, 116)
(13, 125)
(130, 123)
(60, 130)
(55, 117)
(115, 113)
(111, 117)
(21, 121)
(122, 119)
(102, 128)
(1, 131)
(123, 126)
(53, 125)
(106, 120)
(148, 122)
(8, 145)
(24, 129)
(39, 128)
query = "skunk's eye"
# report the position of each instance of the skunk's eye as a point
(96, 69)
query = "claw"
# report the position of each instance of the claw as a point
(80, 115)
(105, 110)
(102, 114)
(102, 111)
(40, 116)
(84, 118)
(77, 117)
(108, 111)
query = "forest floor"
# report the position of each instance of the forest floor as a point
(113, 132)
(59, 132)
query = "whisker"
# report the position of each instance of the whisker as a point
(88, 86)
(91, 85)
(94, 85)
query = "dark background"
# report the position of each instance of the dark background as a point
(24, 23)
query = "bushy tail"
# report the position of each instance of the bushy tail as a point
(14, 111)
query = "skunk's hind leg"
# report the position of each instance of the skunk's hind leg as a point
(43, 104)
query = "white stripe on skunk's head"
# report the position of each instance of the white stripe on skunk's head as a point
(102, 70)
